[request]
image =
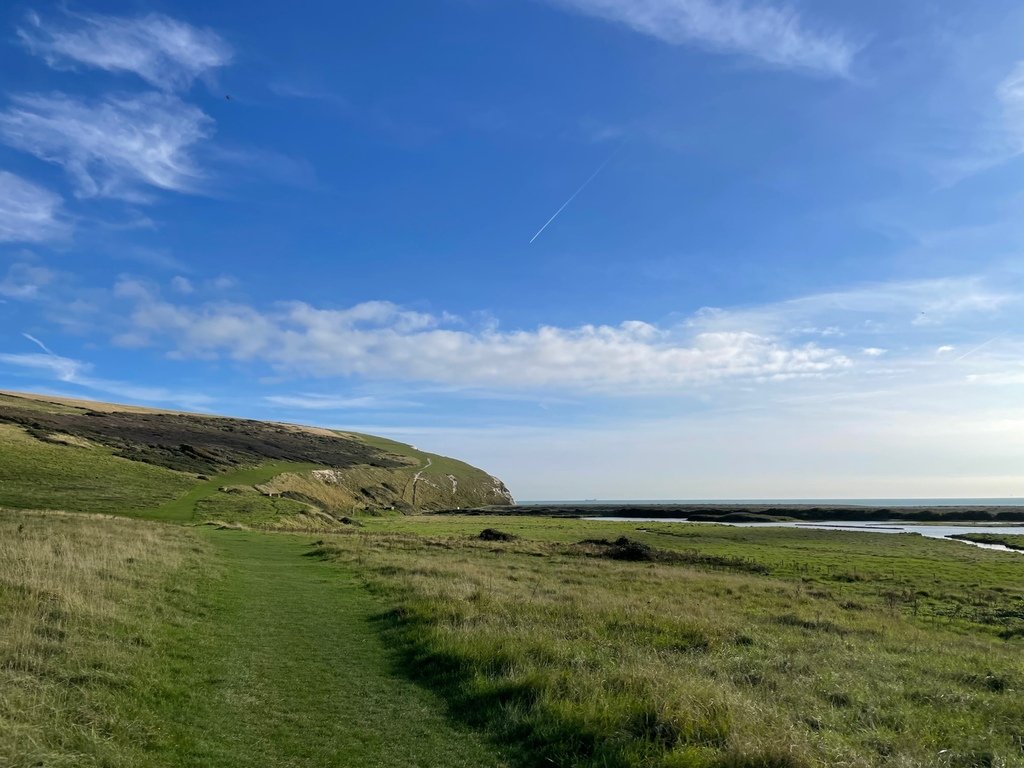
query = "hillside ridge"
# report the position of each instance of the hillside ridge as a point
(315, 476)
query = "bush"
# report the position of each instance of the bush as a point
(493, 534)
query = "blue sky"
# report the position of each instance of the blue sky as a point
(788, 262)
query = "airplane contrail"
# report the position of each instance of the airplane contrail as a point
(980, 346)
(574, 194)
(38, 343)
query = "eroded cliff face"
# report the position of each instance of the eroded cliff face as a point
(413, 488)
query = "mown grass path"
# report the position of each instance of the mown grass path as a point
(293, 673)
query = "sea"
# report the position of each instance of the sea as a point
(1012, 501)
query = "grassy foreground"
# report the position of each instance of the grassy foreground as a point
(852, 650)
(84, 604)
(133, 643)
(128, 643)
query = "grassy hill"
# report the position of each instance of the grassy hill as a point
(81, 456)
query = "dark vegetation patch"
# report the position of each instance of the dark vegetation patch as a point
(838, 699)
(624, 548)
(630, 550)
(742, 517)
(990, 681)
(199, 444)
(811, 625)
(1007, 616)
(493, 534)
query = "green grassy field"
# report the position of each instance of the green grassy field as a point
(191, 506)
(854, 649)
(86, 478)
(438, 464)
(409, 641)
(947, 579)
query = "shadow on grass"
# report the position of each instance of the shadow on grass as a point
(530, 739)
(528, 703)
(534, 729)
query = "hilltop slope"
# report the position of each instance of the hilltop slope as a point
(98, 457)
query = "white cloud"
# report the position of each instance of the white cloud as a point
(381, 340)
(61, 368)
(945, 349)
(222, 283)
(878, 306)
(732, 349)
(776, 35)
(315, 402)
(182, 284)
(165, 52)
(28, 213)
(113, 147)
(157, 258)
(1003, 378)
(25, 281)
(1011, 89)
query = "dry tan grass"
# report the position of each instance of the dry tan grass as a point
(90, 405)
(75, 621)
(72, 440)
(343, 494)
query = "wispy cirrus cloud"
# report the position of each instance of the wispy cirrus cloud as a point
(775, 35)
(880, 307)
(114, 147)
(61, 368)
(67, 370)
(1010, 94)
(315, 402)
(46, 361)
(25, 281)
(163, 51)
(29, 213)
(997, 138)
